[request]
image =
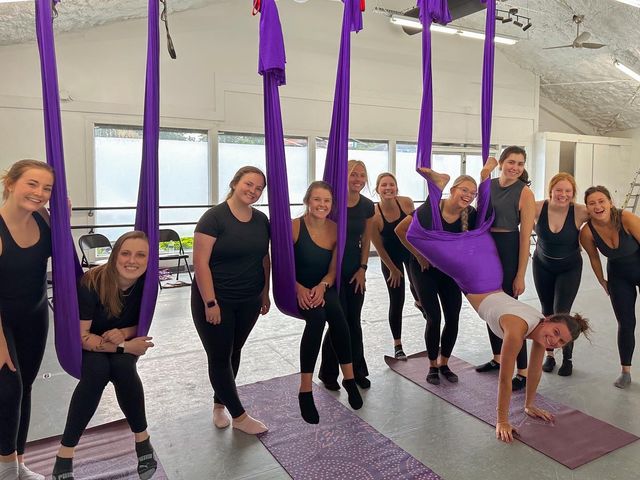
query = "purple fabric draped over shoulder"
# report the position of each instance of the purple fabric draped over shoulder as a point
(147, 213)
(65, 264)
(470, 258)
(271, 65)
(335, 169)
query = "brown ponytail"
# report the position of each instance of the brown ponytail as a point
(577, 323)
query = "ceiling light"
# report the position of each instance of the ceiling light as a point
(14, 1)
(633, 3)
(526, 27)
(626, 70)
(412, 22)
(518, 23)
(500, 18)
(507, 20)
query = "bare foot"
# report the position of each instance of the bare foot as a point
(440, 179)
(489, 167)
(247, 424)
(220, 417)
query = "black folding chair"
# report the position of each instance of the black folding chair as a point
(169, 235)
(89, 242)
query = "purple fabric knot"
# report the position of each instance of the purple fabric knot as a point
(434, 11)
(271, 56)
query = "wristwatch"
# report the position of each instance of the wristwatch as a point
(363, 266)
(120, 348)
(211, 303)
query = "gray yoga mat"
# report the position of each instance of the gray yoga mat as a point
(572, 439)
(341, 446)
(105, 452)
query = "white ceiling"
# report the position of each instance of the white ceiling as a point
(583, 81)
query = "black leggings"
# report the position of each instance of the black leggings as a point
(311, 340)
(623, 278)
(352, 307)
(98, 369)
(223, 344)
(429, 285)
(508, 245)
(557, 282)
(396, 296)
(26, 336)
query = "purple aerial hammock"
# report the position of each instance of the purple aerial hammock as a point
(470, 257)
(66, 267)
(271, 65)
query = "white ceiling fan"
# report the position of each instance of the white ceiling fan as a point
(581, 38)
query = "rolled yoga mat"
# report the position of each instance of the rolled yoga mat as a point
(572, 439)
(105, 452)
(341, 446)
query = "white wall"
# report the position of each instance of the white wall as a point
(214, 84)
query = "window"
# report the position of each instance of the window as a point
(236, 150)
(410, 183)
(374, 154)
(183, 167)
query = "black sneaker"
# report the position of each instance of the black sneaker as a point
(549, 364)
(566, 369)
(399, 353)
(518, 382)
(147, 466)
(488, 367)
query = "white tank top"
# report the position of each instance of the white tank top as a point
(498, 304)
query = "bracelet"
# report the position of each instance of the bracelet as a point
(326, 285)
(364, 266)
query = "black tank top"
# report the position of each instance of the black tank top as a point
(390, 240)
(24, 270)
(312, 261)
(627, 245)
(506, 204)
(559, 245)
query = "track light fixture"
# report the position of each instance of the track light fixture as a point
(511, 16)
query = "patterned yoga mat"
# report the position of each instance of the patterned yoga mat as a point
(341, 446)
(105, 452)
(572, 439)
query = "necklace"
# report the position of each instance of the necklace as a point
(131, 289)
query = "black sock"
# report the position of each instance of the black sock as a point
(355, 400)
(62, 469)
(308, 407)
(147, 463)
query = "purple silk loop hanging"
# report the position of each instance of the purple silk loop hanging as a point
(335, 168)
(471, 257)
(65, 265)
(271, 65)
(147, 212)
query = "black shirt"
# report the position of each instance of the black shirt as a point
(92, 309)
(357, 217)
(236, 258)
(425, 218)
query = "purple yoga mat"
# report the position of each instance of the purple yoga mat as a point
(105, 452)
(341, 446)
(573, 439)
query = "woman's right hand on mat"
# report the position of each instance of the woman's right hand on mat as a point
(395, 277)
(213, 314)
(505, 432)
(536, 412)
(305, 300)
(5, 357)
(423, 262)
(138, 346)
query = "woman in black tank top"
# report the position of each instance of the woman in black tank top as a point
(616, 233)
(557, 262)
(393, 254)
(25, 246)
(315, 239)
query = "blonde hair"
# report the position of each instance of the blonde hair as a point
(381, 176)
(464, 214)
(352, 164)
(241, 173)
(104, 279)
(312, 186)
(563, 176)
(13, 173)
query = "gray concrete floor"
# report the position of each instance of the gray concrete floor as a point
(449, 441)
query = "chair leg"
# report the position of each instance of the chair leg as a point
(186, 263)
(178, 271)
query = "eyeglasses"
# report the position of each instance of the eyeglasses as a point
(466, 192)
(165, 19)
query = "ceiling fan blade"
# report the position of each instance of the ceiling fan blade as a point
(592, 45)
(559, 46)
(583, 37)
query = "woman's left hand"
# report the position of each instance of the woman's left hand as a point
(265, 304)
(317, 296)
(536, 412)
(518, 286)
(359, 279)
(114, 336)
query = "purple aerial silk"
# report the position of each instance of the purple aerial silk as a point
(271, 65)
(335, 169)
(65, 265)
(147, 213)
(471, 257)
